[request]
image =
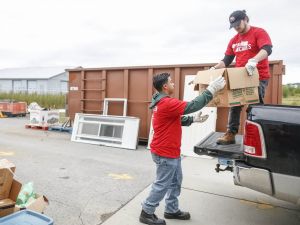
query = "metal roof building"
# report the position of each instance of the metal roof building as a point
(42, 80)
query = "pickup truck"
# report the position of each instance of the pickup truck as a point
(267, 157)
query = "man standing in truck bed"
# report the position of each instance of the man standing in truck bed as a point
(251, 46)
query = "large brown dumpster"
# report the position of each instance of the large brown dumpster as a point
(89, 86)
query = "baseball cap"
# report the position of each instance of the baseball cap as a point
(236, 17)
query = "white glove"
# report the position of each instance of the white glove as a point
(212, 68)
(198, 118)
(216, 85)
(251, 66)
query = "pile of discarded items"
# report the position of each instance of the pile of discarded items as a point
(17, 199)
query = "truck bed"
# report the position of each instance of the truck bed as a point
(208, 146)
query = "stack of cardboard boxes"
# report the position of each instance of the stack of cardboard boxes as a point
(9, 191)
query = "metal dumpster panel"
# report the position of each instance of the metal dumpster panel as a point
(135, 84)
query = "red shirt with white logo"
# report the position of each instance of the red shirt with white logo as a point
(246, 46)
(166, 121)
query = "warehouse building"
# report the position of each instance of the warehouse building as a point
(41, 80)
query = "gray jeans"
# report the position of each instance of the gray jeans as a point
(168, 183)
(235, 112)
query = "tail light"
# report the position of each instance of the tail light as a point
(254, 142)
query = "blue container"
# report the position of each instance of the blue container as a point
(26, 217)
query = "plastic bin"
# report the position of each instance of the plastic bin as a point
(26, 217)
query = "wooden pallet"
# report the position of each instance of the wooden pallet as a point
(36, 127)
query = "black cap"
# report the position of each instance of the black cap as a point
(236, 17)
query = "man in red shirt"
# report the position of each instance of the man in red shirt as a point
(165, 147)
(251, 47)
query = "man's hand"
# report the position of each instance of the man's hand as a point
(216, 85)
(198, 118)
(251, 66)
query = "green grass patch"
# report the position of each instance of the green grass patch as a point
(44, 100)
(291, 100)
(291, 95)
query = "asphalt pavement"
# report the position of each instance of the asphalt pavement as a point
(91, 185)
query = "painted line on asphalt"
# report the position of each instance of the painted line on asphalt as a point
(6, 153)
(123, 176)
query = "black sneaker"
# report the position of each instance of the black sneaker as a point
(180, 215)
(151, 219)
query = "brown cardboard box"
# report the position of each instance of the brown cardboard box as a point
(240, 89)
(37, 205)
(7, 207)
(6, 177)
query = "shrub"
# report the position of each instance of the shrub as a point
(44, 100)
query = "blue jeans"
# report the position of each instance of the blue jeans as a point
(168, 183)
(235, 112)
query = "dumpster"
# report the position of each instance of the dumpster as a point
(89, 86)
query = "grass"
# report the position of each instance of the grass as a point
(291, 100)
(57, 101)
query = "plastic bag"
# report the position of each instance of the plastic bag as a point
(26, 195)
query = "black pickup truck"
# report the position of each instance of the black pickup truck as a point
(267, 157)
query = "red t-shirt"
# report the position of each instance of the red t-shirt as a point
(166, 123)
(246, 46)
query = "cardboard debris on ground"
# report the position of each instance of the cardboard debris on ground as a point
(8, 204)
(6, 177)
(240, 89)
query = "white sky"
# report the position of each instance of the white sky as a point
(92, 33)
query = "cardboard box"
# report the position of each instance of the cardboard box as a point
(44, 117)
(38, 205)
(7, 169)
(240, 89)
(7, 206)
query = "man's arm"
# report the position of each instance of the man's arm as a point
(186, 120)
(264, 52)
(264, 43)
(226, 61)
(198, 103)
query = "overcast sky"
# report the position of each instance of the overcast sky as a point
(92, 33)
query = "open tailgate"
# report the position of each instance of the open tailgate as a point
(208, 146)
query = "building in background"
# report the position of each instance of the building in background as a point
(294, 85)
(41, 80)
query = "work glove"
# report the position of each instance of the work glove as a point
(216, 85)
(251, 66)
(198, 118)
